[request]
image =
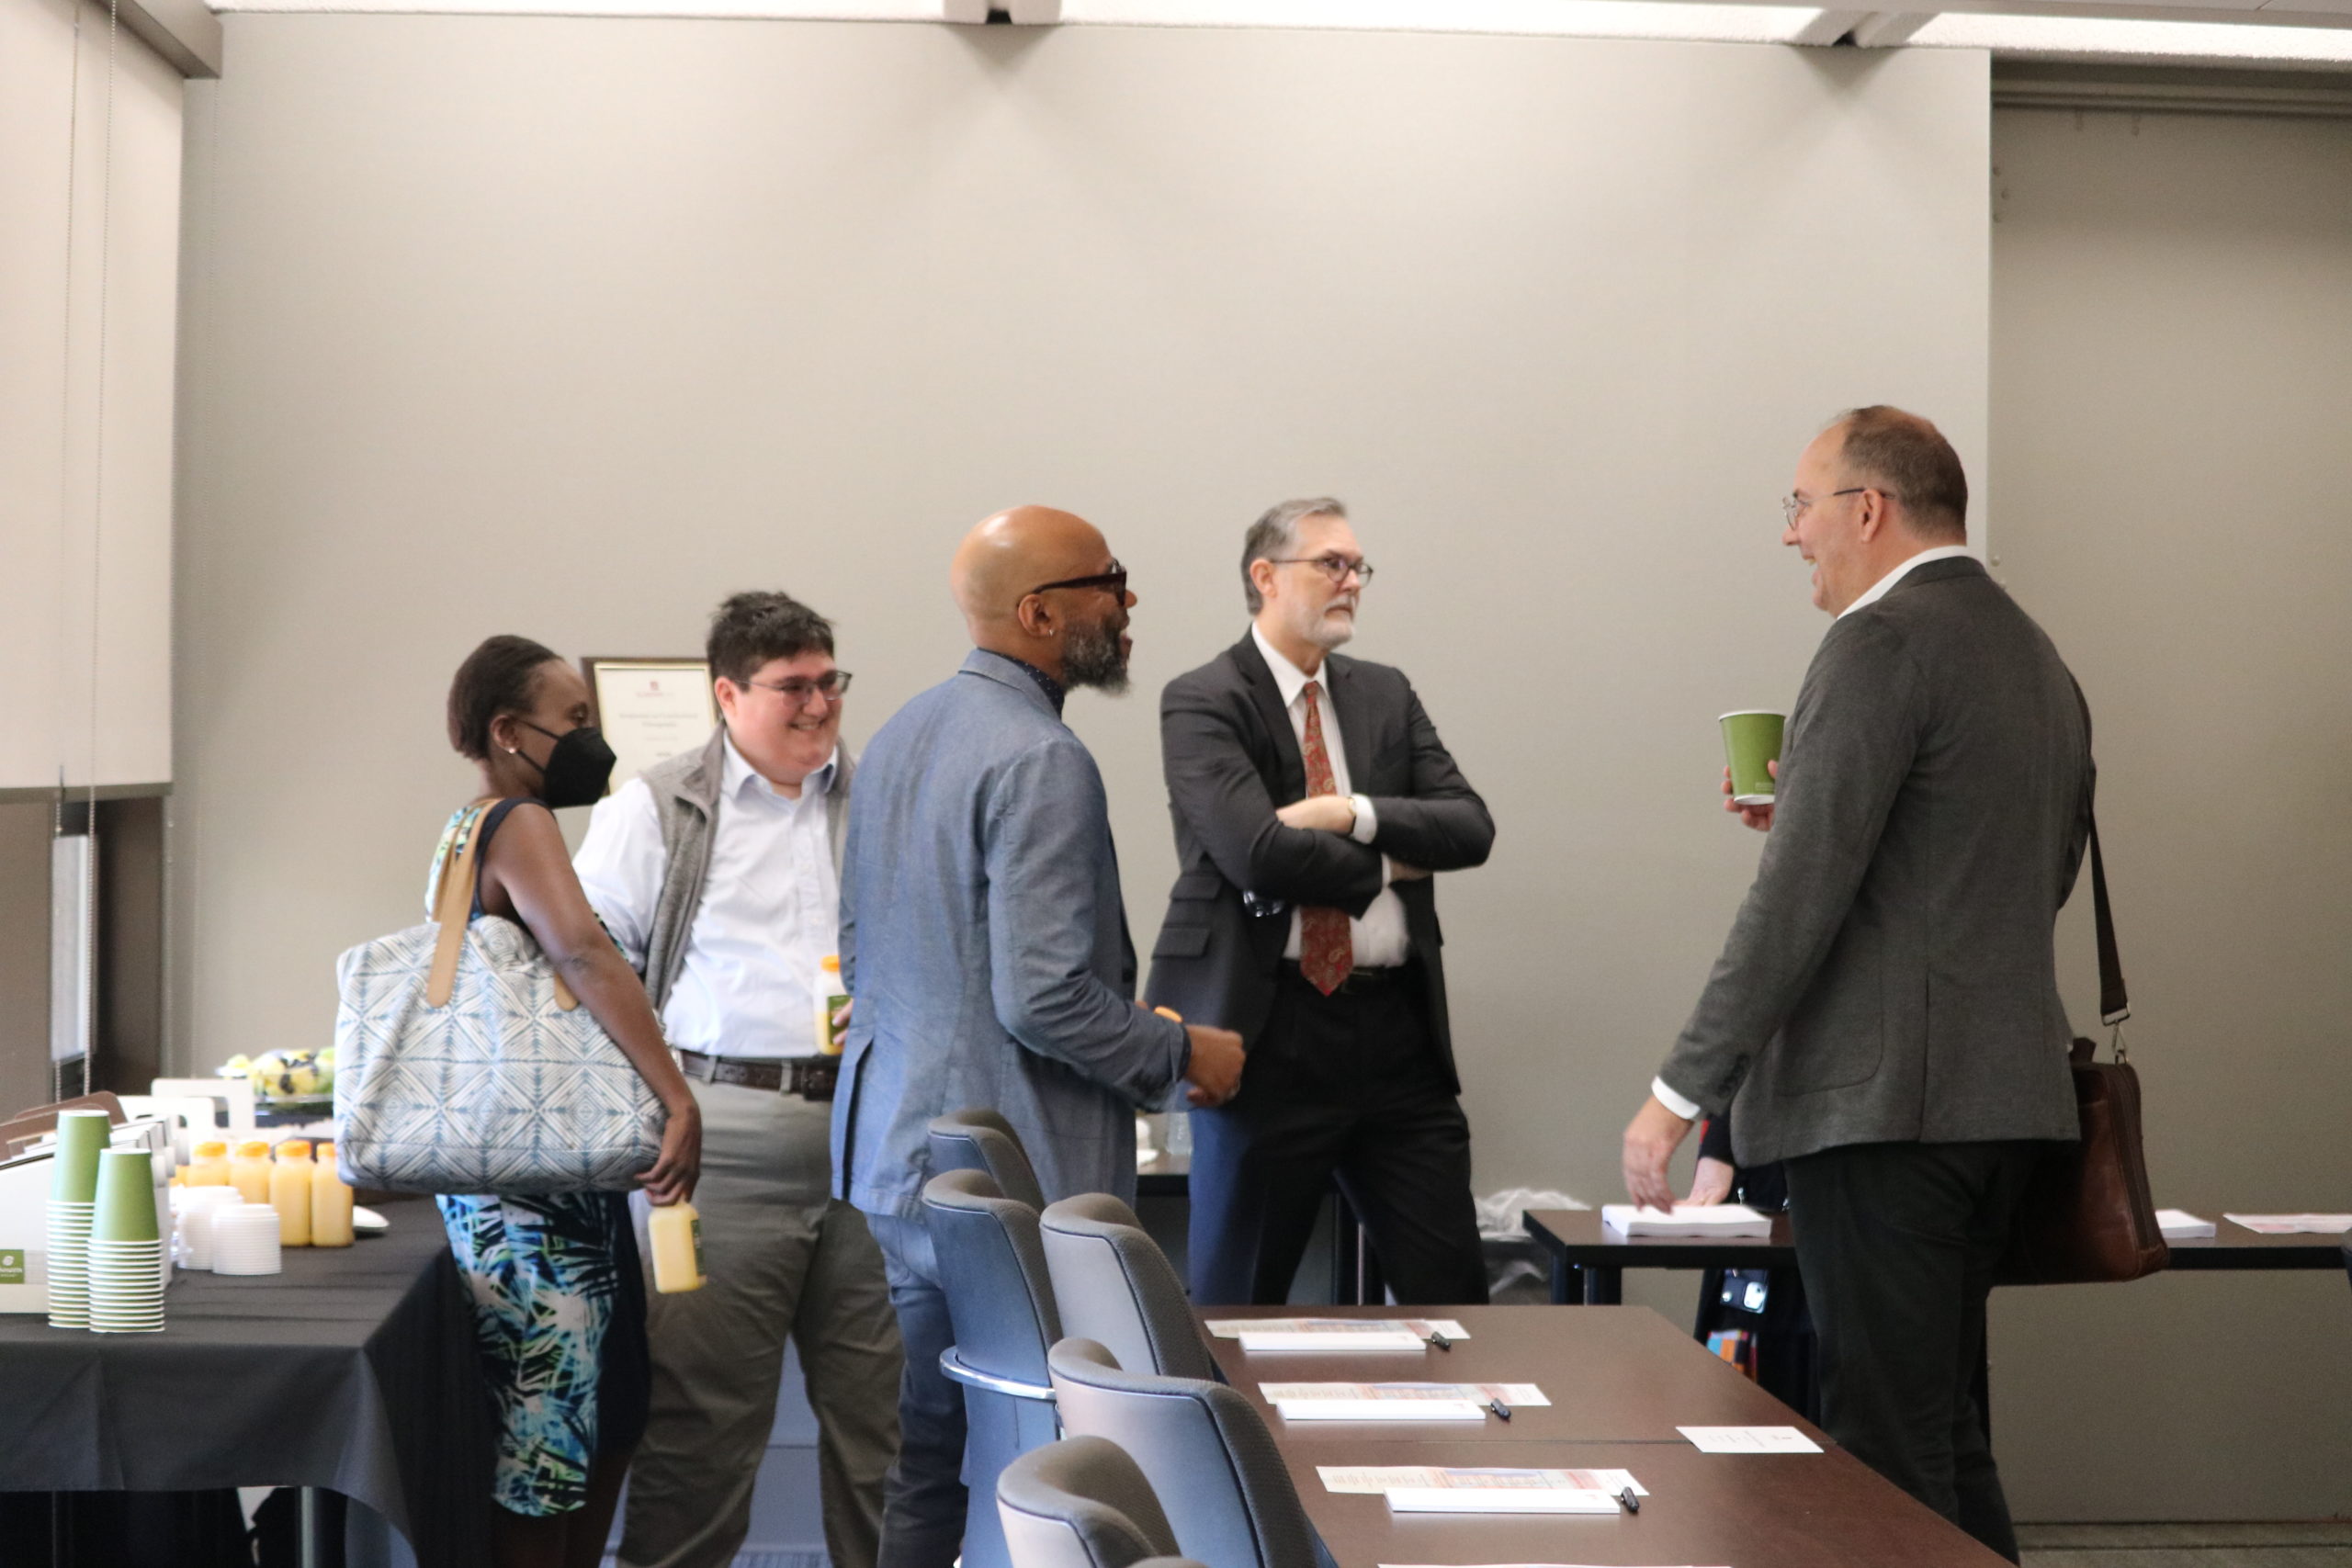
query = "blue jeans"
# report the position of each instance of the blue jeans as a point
(923, 1498)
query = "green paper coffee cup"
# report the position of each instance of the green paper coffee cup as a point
(1752, 744)
(126, 1198)
(81, 1135)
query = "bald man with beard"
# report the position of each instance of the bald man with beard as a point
(986, 951)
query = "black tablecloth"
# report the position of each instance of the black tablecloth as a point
(354, 1370)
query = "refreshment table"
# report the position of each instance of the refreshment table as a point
(352, 1371)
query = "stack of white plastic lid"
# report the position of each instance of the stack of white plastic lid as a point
(244, 1239)
(197, 1207)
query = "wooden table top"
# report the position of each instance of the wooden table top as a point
(1612, 1374)
(1620, 1379)
(1577, 1237)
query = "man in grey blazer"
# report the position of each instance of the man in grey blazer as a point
(986, 951)
(1885, 1012)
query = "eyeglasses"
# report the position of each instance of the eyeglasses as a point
(1794, 506)
(1336, 568)
(832, 686)
(1113, 581)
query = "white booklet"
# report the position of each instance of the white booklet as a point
(2179, 1224)
(1499, 1500)
(1394, 1401)
(1686, 1219)
(1419, 1327)
(1385, 1478)
(1750, 1440)
(2290, 1224)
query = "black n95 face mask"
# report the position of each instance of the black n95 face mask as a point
(577, 769)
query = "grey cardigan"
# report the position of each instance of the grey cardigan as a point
(1890, 978)
(685, 800)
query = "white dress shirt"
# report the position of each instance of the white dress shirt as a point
(1682, 1105)
(769, 914)
(1379, 938)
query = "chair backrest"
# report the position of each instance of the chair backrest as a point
(1081, 1503)
(1112, 1285)
(1205, 1450)
(992, 1269)
(977, 1138)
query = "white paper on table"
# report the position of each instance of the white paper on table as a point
(2179, 1224)
(1686, 1219)
(1510, 1394)
(1489, 1565)
(1499, 1500)
(2291, 1225)
(1400, 1339)
(1418, 1327)
(1380, 1409)
(1376, 1478)
(1750, 1440)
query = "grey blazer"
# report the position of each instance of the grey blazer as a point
(984, 940)
(1890, 976)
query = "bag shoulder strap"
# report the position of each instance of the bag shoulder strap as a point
(453, 905)
(2114, 1001)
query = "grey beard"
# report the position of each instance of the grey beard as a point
(1092, 658)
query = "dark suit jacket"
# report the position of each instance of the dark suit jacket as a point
(1231, 759)
(1890, 976)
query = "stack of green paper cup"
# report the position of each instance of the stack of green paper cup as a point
(126, 1247)
(73, 1196)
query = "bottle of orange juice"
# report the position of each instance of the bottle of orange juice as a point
(675, 1231)
(211, 1166)
(831, 997)
(249, 1172)
(289, 1192)
(330, 1201)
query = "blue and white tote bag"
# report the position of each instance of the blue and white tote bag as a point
(463, 1063)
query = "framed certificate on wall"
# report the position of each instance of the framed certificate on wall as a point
(650, 709)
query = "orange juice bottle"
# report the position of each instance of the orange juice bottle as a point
(249, 1172)
(675, 1231)
(830, 999)
(289, 1192)
(330, 1201)
(211, 1166)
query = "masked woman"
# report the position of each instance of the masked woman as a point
(559, 1298)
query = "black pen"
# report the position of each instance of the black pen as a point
(1633, 1504)
(1438, 1341)
(1499, 1408)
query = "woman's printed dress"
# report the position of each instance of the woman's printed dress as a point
(559, 1317)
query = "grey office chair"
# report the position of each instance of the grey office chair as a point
(1204, 1450)
(1112, 1285)
(992, 1271)
(977, 1138)
(1081, 1503)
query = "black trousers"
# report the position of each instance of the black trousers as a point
(1345, 1086)
(1897, 1244)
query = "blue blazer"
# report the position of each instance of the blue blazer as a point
(984, 941)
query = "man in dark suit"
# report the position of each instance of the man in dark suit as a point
(1885, 1012)
(1312, 800)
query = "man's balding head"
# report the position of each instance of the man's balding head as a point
(1907, 458)
(1004, 576)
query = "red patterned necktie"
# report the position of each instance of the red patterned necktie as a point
(1326, 951)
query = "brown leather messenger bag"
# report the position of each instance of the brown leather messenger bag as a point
(2087, 1216)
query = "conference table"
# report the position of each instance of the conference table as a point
(1621, 1381)
(1589, 1261)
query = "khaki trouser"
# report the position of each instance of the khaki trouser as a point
(780, 1257)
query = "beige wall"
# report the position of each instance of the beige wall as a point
(2172, 365)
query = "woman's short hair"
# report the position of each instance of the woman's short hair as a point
(753, 628)
(500, 676)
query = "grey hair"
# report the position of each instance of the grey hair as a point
(1276, 533)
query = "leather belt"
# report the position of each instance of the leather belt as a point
(811, 1078)
(1358, 978)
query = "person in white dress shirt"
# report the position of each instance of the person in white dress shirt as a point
(718, 873)
(1312, 800)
